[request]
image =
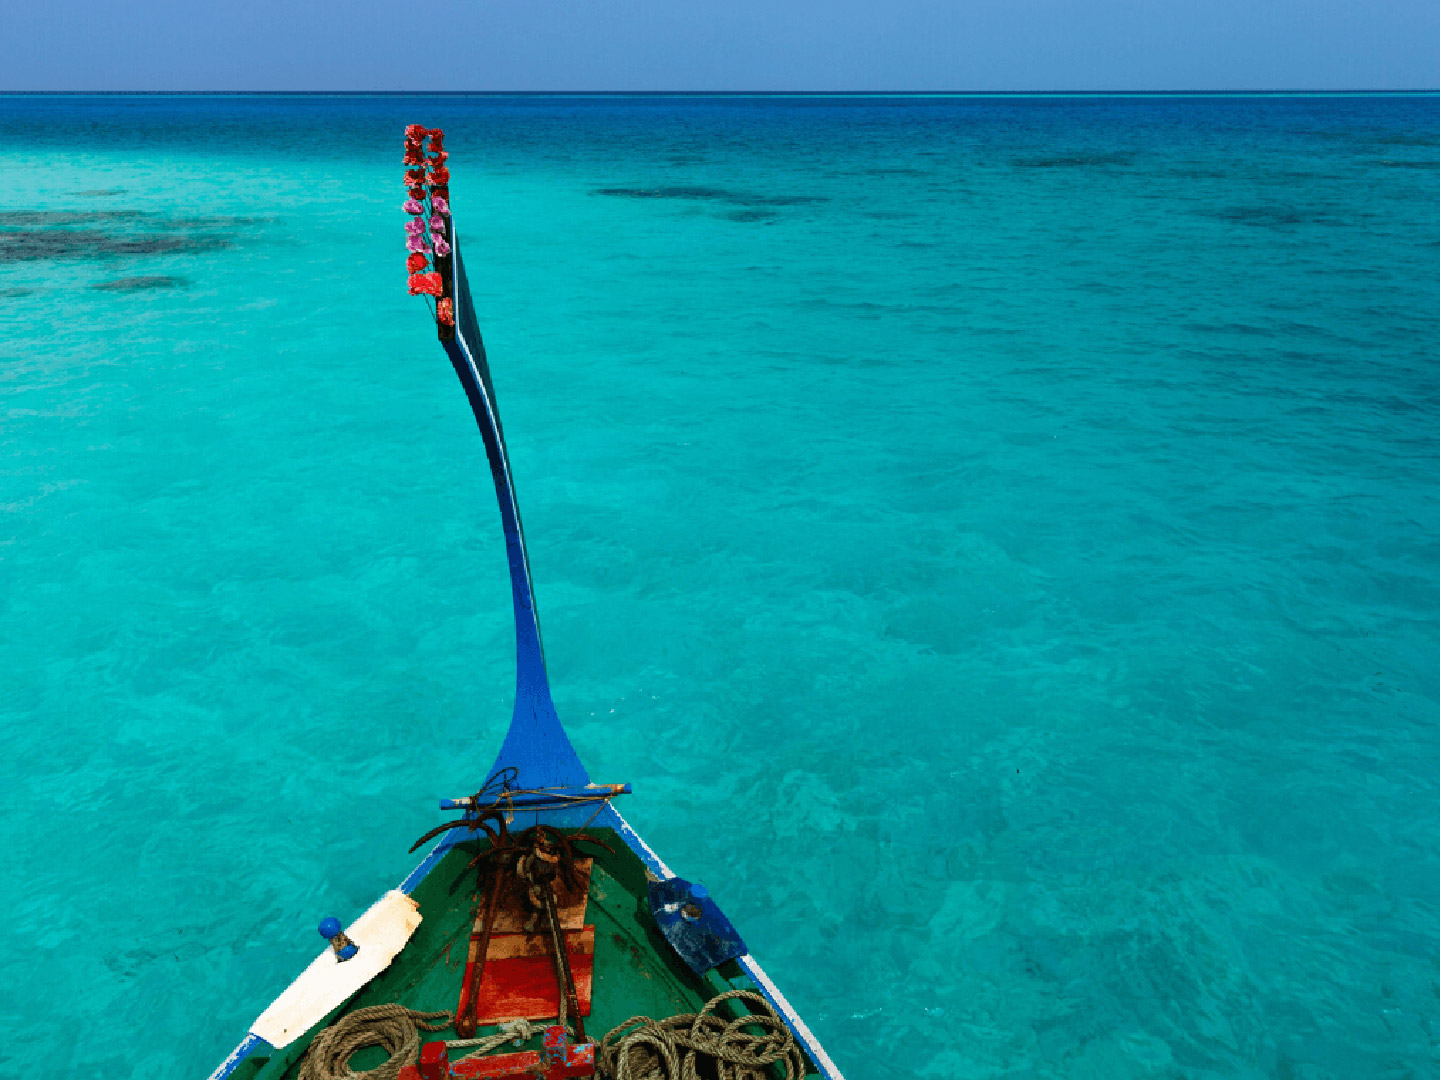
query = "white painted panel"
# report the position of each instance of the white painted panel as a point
(381, 933)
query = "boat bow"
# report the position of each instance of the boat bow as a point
(537, 778)
(536, 745)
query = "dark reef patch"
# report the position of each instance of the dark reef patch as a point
(712, 194)
(35, 244)
(137, 284)
(228, 221)
(1409, 164)
(782, 200)
(32, 235)
(1404, 139)
(1197, 172)
(1272, 216)
(14, 293)
(100, 193)
(44, 219)
(1073, 161)
(663, 193)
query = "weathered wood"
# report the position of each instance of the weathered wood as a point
(514, 911)
(520, 976)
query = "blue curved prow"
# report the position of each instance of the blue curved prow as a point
(536, 744)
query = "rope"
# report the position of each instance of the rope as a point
(646, 1049)
(562, 966)
(638, 1049)
(393, 1027)
(538, 869)
(516, 1030)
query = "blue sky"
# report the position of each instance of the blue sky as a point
(718, 44)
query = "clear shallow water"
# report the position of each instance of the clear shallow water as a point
(998, 538)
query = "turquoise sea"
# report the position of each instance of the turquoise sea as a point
(998, 538)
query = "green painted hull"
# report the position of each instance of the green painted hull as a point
(636, 971)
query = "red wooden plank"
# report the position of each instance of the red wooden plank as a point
(499, 1066)
(527, 1065)
(519, 978)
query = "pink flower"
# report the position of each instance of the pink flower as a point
(415, 226)
(439, 204)
(416, 243)
(412, 206)
(437, 223)
(441, 247)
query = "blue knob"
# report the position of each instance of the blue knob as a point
(331, 932)
(698, 891)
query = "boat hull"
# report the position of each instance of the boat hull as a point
(635, 971)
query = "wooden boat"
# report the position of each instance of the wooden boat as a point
(539, 901)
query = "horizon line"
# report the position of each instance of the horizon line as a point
(1252, 92)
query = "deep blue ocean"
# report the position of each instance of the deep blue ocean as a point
(998, 538)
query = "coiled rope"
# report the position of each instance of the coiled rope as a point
(646, 1049)
(638, 1049)
(393, 1027)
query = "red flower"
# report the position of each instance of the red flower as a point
(414, 177)
(417, 193)
(414, 155)
(438, 159)
(415, 263)
(440, 175)
(442, 191)
(426, 283)
(436, 135)
(445, 311)
(414, 131)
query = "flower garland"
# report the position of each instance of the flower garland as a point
(427, 183)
